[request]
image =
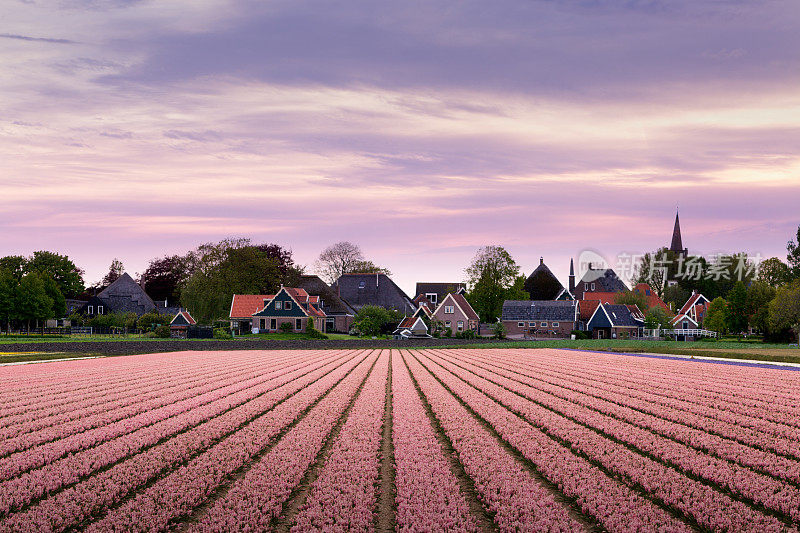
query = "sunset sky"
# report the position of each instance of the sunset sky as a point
(419, 130)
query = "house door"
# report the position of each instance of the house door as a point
(600, 334)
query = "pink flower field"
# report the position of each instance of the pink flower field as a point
(406, 440)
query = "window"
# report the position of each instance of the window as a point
(273, 323)
(555, 324)
(99, 309)
(362, 284)
(432, 297)
(460, 325)
(647, 292)
(544, 324)
(90, 310)
(449, 309)
(298, 323)
(447, 323)
(278, 305)
(520, 324)
(287, 305)
(592, 286)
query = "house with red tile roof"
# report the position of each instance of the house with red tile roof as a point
(693, 312)
(652, 298)
(456, 313)
(180, 324)
(266, 313)
(412, 326)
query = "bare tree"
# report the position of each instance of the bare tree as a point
(338, 259)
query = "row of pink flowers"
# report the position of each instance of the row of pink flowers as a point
(783, 424)
(106, 488)
(708, 421)
(155, 424)
(758, 488)
(428, 495)
(343, 496)
(124, 416)
(82, 404)
(730, 450)
(710, 508)
(256, 499)
(520, 501)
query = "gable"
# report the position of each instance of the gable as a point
(278, 307)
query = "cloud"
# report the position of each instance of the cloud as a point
(36, 39)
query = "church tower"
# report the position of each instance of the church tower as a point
(571, 277)
(677, 243)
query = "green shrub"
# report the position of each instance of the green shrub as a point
(286, 327)
(579, 335)
(448, 332)
(222, 333)
(313, 332)
(468, 334)
(162, 332)
(498, 330)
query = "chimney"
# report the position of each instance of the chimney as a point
(541, 260)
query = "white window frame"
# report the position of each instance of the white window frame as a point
(90, 310)
(288, 306)
(460, 325)
(531, 324)
(273, 321)
(449, 309)
(447, 323)
(520, 324)
(543, 324)
(278, 305)
(592, 286)
(432, 297)
(99, 309)
(554, 324)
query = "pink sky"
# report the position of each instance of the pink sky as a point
(134, 129)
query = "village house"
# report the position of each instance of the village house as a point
(540, 318)
(180, 324)
(615, 321)
(435, 292)
(652, 298)
(290, 305)
(693, 312)
(339, 315)
(599, 280)
(542, 284)
(376, 289)
(122, 296)
(456, 313)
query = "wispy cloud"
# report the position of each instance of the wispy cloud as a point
(36, 39)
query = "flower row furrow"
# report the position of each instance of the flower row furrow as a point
(343, 496)
(176, 495)
(167, 416)
(428, 495)
(93, 496)
(519, 500)
(730, 450)
(708, 507)
(758, 488)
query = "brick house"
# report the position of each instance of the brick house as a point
(289, 305)
(435, 292)
(614, 321)
(540, 318)
(599, 280)
(693, 313)
(339, 315)
(456, 313)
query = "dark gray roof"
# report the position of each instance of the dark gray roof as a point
(604, 281)
(539, 310)
(621, 315)
(542, 284)
(331, 303)
(359, 290)
(441, 288)
(126, 296)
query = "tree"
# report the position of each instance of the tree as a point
(367, 267)
(716, 316)
(676, 296)
(59, 308)
(338, 259)
(114, 272)
(736, 319)
(32, 302)
(222, 270)
(372, 320)
(517, 290)
(793, 255)
(631, 298)
(163, 277)
(655, 268)
(8, 289)
(68, 277)
(774, 272)
(657, 318)
(784, 309)
(15, 265)
(492, 272)
(759, 294)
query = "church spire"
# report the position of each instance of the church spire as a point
(571, 277)
(677, 243)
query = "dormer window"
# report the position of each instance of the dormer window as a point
(592, 286)
(432, 297)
